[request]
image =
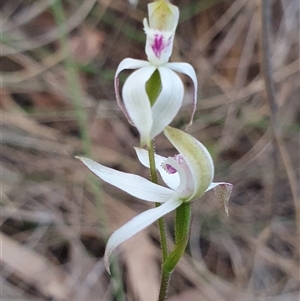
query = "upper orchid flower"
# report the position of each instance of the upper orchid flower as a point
(153, 94)
(188, 175)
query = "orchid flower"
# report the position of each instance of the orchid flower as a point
(188, 175)
(151, 108)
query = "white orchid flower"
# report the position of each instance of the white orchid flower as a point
(188, 175)
(150, 117)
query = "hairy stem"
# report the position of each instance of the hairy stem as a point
(164, 285)
(165, 277)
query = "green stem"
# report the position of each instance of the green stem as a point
(151, 153)
(164, 285)
(182, 229)
(161, 222)
(166, 276)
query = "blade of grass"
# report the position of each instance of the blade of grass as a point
(75, 94)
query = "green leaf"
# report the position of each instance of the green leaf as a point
(182, 221)
(175, 255)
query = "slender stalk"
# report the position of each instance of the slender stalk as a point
(182, 228)
(151, 153)
(266, 64)
(166, 276)
(161, 222)
(164, 285)
(75, 95)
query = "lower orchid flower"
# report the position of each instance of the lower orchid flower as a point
(188, 175)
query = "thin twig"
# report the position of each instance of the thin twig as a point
(266, 66)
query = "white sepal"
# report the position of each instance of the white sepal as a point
(134, 185)
(136, 225)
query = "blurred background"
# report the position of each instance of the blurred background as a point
(58, 60)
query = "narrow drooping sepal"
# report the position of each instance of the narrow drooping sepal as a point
(197, 158)
(134, 185)
(188, 70)
(136, 225)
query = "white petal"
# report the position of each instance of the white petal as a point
(144, 157)
(188, 70)
(172, 180)
(127, 63)
(222, 192)
(136, 225)
(137, 102)
(186, 185)
(133, 184)
(197, 158)
(168, 102)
